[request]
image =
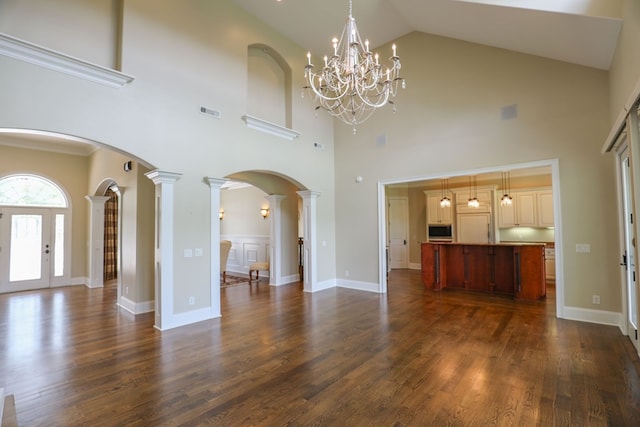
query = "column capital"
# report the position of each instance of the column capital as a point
(97, 199)
(215, 182)
(161, 177)
(308, 194)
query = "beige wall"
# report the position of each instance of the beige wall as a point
(70, 172)
(242, 212)
(73, 19)
(137, 219)
(448, 120)
(625, 67)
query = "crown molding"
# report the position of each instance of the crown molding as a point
(270, 128)
(16, 48)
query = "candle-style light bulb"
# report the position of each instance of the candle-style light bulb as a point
(377, 59)
(394, 49)
(325, 60)
(309, 58)
(366, 45)
(335, 46)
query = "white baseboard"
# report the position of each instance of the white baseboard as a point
(601, 317)
(321, 286)
(360, 286)
(189, 317)
(415, 266)
(136, 307)
(287, 279)
(79, 281)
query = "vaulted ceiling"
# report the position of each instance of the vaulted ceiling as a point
(583, 32)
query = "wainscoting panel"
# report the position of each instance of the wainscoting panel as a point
(246, 250)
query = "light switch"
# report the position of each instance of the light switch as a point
(198, 251)
(188, 253)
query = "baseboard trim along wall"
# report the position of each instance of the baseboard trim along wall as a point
(360, 286)
(136, 307)
(602, 317)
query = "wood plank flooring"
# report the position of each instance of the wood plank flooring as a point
(339, 357)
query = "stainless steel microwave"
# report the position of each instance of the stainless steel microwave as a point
(440, 232)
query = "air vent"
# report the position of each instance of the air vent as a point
(213, 113)
(509, 112)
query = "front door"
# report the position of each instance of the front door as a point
(28, 237)
(628, 255)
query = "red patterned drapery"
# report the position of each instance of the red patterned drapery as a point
(111, 236)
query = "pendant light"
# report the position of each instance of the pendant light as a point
(445, 202)
(473, 194)
(506, 199)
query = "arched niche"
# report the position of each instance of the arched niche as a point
(268, 85)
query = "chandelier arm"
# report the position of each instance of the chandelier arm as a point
(312, 84)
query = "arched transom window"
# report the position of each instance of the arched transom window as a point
(30, 190)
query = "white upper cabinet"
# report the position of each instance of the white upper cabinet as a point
(545, 208)
(530, 208)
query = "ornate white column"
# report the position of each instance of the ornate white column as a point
(275, 240)
(96, 241)
(215, 184)
(309, 202)
(164, 182)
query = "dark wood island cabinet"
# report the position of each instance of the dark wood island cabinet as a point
(508, 269)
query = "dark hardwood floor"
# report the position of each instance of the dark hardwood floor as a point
(339, 357)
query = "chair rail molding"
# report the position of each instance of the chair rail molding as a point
(22, 50)
(270, 128)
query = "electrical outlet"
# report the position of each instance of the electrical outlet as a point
(596, 299)
(192, 300)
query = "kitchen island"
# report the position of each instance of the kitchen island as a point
(516, 270)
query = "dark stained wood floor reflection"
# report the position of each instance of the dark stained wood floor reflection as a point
(340, 357)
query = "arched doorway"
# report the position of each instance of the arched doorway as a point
(34, 233)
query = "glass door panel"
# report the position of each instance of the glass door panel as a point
(24, 249)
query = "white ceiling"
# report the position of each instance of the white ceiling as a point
(583, 32)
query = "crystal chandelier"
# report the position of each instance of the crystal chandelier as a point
(352, 83)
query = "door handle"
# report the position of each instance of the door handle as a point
(405, 242)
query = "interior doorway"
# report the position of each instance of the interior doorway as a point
(629, 249)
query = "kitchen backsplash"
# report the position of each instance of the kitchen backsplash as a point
(526, 234)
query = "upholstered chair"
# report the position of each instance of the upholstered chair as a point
(225, 247)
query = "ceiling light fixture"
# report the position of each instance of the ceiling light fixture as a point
(445, 202)
(352, 83)
(473, 194)
(506, 199)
